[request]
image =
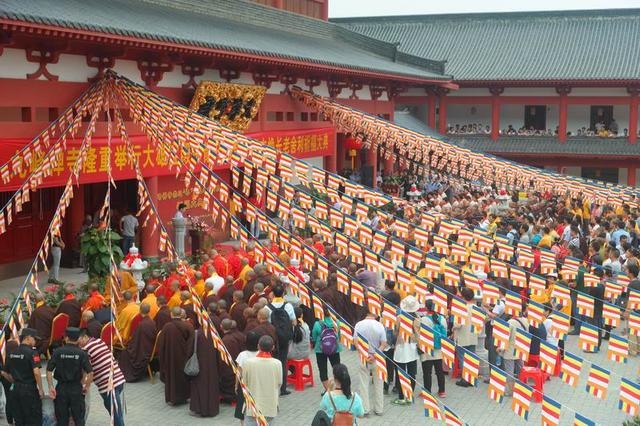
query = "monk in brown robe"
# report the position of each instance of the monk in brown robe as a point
(189, 310)
(209, 295)
(93, 326)
(236, 311)
(164, 314)
(250, 319)
(70, 306)
(264, 327)
(222, 310)
(252, 279)
(41, 320)
(226, 291)
(204, 394)
(234, 341)
(172, 353)
(258, 292)
(134, 359)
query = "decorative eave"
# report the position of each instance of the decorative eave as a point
(548, 83)
(31, 29)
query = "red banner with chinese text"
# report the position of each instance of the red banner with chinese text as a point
(299, 143)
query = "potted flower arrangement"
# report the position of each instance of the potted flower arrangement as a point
(199, 228)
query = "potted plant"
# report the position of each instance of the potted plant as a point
(95, 244)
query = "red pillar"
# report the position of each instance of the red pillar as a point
(563, 91)
(150, 239)
(325, 10)
(633, 113)
(388, 165)
(431, 110)
(371, 159)
(442, 124)
(631, 176)
(495, 111)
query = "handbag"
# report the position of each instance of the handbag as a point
(192, 367)
(342, 418)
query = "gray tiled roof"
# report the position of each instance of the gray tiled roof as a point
(531, 46)
(528, 145)
(237, 26)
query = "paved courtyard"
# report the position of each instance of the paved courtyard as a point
(145, 401)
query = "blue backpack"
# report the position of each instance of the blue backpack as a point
(439, 331)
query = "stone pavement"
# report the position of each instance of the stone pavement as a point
(145, 401)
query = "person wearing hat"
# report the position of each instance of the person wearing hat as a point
(406, 351)
(23, 371)
(74, 375)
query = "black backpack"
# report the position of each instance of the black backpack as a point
(282, 323)
(298, 333)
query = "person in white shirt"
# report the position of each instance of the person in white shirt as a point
(215, 281)
(406, 352)
(375, 334)
(252, 350)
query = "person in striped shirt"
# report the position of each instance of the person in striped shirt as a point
(103, 363)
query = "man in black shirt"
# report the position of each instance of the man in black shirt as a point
(74, 375)
(23, 371)
(392, 296)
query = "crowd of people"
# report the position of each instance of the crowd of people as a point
(600, 129)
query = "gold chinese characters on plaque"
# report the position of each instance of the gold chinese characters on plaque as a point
(233, 105)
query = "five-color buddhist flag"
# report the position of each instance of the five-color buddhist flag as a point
(381, 365)
(537, 285)
(431, 267)
(346, 334)
(374, 302)
(405, 326)
(570, 369)
(357, 293)
(342, 281)
(426, 339)
(318, 309)
(584, 303)
(550, 412)
(499, 269)
(470, 367)
(451, 418)
(618, 349)
(478, 261)
(561, 295)
(611, 314)
(414, 258)
(431, 407)
(523, 344)
(634, 323)
(598, 381)
(629, 401)
(560, 324)
(548, 357)
(439, 301)
(405, 384)
(521, 399)
(471, 281)
(500, 333)
(362, 346)
(440, 245)
(518, 277)
(513, 303)
(389, 315)
(634, 299)
(448, 349)
(421, 288)
(451, 275)
(490, 293)
(535, 313)
(478, 319)
(580, 420)
(497, 384)
(459, 311)
(403, 280)
(589, 336)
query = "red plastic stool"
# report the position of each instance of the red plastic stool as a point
(538, 377)
(298, 378)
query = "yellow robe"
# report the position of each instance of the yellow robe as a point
(175, 300)
(199, 288)
(127, 283)
(152, 301)
(243, 274)
(123, 321)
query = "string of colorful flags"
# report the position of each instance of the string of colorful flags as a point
(268, 262)
(399, 143)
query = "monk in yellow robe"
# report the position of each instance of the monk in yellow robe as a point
(198, 287)
(242, 276)
(127, 283)
(126, 316)
(174, 301)
(151, 300)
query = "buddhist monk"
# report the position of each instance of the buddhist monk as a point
(41, 319)
(264, 327)
(164, 313)
(152, 300)
(236, 311)
(205, 266)
(226, 291)
(134, 359)
(220, 263)
(175, 295)
(187, 306)
(212, 308)
(155, 280)
(95, 301)
(70, 306)
(222, 310)
(198, 287)
(234, 260)
(209, 294)
(126, 316)
(252, 279)
(172, 353)
(234, 341)
(242, 277)
(93, 326)
(250, 319)
(258, 292)
(204, 398)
